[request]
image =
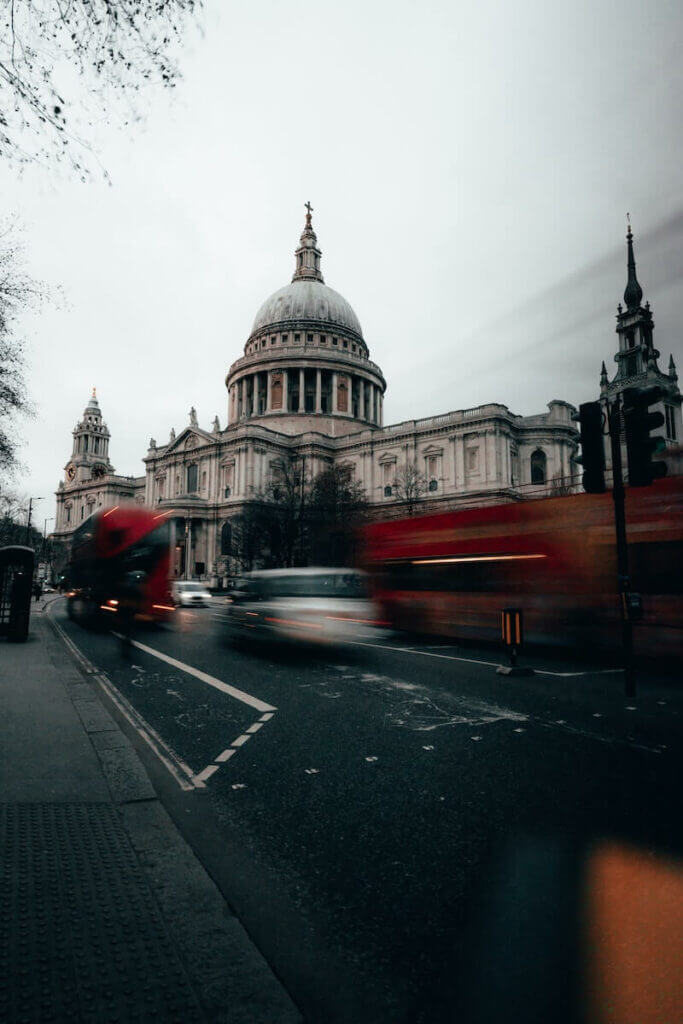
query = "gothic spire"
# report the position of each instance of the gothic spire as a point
(634, 293)
(308, 254)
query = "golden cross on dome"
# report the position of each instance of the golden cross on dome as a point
(309, 210)
(94, 392)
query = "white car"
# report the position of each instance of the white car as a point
(313, 606)
(188, 594)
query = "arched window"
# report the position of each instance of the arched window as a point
(226, 539)
(538, 467)
(192, 478)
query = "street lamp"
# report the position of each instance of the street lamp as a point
(28, 523)
(51, 519)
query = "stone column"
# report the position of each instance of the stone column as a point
(459, 461)
(243, 384)
(318, 391)
(302, 393)
(381, 408)
(286, 385)
(361, 399)
(490, 449)
(334, 391)
(268, 389)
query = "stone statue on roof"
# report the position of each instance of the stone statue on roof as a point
(216, 425)
(193, 417)
(171, 436)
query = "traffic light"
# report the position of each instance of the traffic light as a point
(592, 456)
(640, 447)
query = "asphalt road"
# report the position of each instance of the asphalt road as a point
(349, 803)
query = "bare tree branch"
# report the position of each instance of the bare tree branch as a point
(115, 47)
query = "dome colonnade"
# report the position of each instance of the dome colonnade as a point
(306, 356)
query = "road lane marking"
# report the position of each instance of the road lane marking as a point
(207, 773)
(477, 661)
(255, 727)
(240, 741)
(266, 718)
(218, 684)
(225, 756)
(176, 767)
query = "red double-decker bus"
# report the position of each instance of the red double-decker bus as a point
(452, 574)
(120, 558)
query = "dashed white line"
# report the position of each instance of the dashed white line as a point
(241, 740)
(225, 756)
(255, 727)
(208, 772)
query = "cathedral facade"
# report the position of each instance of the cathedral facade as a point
(306, 390)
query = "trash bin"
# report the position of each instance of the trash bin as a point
(16, 579)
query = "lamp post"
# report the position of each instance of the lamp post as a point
(28, 522)
(51, 519)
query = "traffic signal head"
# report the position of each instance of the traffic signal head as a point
(640, 447)
(592, 455)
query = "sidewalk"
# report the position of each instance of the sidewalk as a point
(105, 912)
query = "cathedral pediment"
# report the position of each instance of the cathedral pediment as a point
(190, 438)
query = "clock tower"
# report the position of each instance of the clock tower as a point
(90, 454)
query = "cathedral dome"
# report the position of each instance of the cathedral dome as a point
(306, 299)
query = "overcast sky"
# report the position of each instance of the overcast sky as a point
(470, 166)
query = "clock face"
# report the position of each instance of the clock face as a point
(98, 471)
(70, 472)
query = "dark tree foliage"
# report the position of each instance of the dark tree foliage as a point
(65, 64)
(337, 508)
(300, 521)
(17, 292)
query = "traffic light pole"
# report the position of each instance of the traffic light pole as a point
(618, 496)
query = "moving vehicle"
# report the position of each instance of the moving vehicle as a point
(188, 594)
(313, 606)
(452, 574)
(120, 564)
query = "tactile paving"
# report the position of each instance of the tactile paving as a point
(81, 935)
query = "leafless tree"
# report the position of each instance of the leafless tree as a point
(338, 506)
(66, 63)
(17, 292)
(410, 484)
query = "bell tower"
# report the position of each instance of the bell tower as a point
(90, 452)
(636, 357)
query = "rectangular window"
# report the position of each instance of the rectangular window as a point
(472, 459)
(309, 338)
(192, 479)
(297, 339)
(334, 341)
(323, 339)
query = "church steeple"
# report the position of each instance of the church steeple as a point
(634, 293)
(308, 254)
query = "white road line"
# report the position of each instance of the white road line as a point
(225, 756)
(477, 661)
(255, 727)
(246, 698)
(240, 741)
(207, 773)
(168, 757)
(266, 718)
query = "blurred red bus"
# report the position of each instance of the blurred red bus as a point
(451, 574)
(116, 553)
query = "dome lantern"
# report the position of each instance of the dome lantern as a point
(308, 254)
